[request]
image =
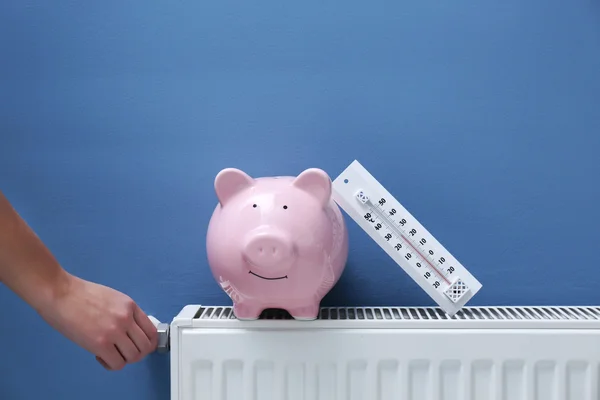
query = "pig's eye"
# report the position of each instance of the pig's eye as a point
(254, 205)
(285, 207)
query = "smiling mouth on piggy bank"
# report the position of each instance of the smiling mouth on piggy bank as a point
(268, 279)
(251, 265)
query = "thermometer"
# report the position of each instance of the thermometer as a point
(404, 239)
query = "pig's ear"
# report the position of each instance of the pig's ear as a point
(316, 182)
(229, 182)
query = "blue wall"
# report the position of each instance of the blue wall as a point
(482, 118)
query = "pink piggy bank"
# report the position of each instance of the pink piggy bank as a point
(276, 242)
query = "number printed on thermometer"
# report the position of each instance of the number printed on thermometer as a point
(407, 241)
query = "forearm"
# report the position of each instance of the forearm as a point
(27, 267)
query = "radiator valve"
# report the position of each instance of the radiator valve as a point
(162, 329)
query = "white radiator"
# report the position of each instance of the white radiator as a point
(487, 353)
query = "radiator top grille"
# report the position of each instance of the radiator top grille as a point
(421, 313)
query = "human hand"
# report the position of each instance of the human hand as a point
(103, 321)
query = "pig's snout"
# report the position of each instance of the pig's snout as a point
(269, 252)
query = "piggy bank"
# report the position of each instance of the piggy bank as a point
(276, 242)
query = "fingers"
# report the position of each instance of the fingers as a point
(146, 325)
(141, 341)
(111, 359)
(128, 349)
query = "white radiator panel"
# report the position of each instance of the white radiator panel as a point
(551, 356)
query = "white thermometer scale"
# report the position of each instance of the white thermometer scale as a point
(404, 239)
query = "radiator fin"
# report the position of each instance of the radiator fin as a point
(295, 378)
(545, 377)
(233, 373)
(513, 381)
(481, 379)
(421, 313)
(264, 376)
(577, 379)
(202, 381)
(418, 382)
(387, 380)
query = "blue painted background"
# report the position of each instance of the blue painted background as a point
(482, 118)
